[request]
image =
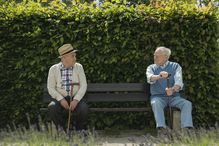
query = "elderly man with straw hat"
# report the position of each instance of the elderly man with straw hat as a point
(67, 85)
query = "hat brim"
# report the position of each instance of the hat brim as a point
(74, 51)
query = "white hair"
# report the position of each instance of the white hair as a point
(166, 51)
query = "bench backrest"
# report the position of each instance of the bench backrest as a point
(109, 92)
(118, 92)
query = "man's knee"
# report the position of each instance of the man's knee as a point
(156, 102)
(82, 108)
(188, 104)
(53, 108)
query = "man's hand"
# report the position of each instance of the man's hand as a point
(64, 103)
(169, 91)
(163, 74)
(73, 104)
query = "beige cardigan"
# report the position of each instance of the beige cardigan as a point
(54, 82)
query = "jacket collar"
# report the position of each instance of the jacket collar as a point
(165, 64)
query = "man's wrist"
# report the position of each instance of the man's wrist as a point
(76, 100)
(173, 89)
(160, 76)
(154, 78)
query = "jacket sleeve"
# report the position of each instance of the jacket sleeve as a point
(83, 83)
(149, 74)
(51, 85)
(178, 77)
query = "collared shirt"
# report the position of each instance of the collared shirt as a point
(66, 76)
(177, 77)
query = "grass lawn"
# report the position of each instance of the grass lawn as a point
(32, 137)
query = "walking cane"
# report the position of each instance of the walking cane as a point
(69, 111)
(170, 110)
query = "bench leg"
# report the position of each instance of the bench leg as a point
(176, 115)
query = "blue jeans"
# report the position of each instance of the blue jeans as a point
(159, 103)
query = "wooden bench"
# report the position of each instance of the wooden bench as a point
(115, 92)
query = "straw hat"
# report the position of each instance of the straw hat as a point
(65, 49)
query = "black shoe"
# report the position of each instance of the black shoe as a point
(188, 131)
(164, 134)
(161, 131)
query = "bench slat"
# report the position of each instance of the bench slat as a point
(113, 87)
(111, 109)
(111, 97)
(119, 109)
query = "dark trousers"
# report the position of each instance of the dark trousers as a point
(59, 115)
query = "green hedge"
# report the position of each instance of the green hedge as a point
(116, 44)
